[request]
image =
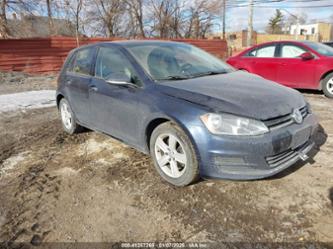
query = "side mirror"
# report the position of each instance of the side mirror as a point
(307, 56)
(119, 78)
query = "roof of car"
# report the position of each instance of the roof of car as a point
(272, 42)
(124, 42)
(136, 42)
(128, 42)
(284, 41)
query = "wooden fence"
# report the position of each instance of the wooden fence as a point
(46, 55)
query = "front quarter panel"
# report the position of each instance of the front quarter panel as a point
(324, 67)
(185, 114)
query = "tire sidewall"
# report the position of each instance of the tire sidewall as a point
(191, 171)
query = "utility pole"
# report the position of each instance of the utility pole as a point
(223, 18)
(250, 25)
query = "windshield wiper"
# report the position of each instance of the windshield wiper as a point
(184, 77)
(175, 77)
(207, 73)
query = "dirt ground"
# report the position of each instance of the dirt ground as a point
(14, 82)
(92, 188)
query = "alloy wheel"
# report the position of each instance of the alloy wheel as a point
(170, 155)
(66, 115)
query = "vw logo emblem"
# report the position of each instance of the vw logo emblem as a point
(297, 116)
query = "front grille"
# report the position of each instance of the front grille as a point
(282, 121)
(304, 110)
(286, 156)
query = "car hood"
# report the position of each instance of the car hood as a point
(238, 93)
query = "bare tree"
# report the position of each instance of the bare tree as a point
(13, 6)
(109, 16)
(177, 20)
(73, 10)
(164, 13)
(49, 15)
(4, 32)
(135, 10)
(120, 18)
(293, 19)
(200, 19)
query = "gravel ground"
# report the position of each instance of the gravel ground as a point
(92, 188)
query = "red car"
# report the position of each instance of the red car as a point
(303, 65)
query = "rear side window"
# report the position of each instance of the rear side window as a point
(291, 51)
(263, 52)
(70, 63)
(83, 60)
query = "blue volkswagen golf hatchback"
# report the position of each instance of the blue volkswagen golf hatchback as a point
(194, 114)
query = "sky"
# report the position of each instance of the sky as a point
(237, 18)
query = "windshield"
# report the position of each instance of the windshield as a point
(320, 48)
(176, 61)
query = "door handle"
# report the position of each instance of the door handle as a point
(93, 88)
(69, 82)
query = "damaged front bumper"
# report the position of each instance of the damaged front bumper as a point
(256, 157)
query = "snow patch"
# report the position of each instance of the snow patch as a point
(27, 100)
(67, 171)
(91, 146)
(13, 161)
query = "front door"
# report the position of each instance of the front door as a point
(115, 105)
(293, 71)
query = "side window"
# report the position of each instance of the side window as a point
(291, 51)
(83, 60)
(111, 64)
(266, 52)
(70, 63)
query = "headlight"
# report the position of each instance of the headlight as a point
(227, 124)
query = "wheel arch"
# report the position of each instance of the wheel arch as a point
(59, 97)
(160, 120)
(320, 87)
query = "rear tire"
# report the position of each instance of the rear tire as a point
(174, 155)
(68, 119)
(328, 86)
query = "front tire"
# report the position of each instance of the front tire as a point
(328, 86)
(68, 118)
(174, 155)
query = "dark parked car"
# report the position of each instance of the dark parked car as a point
(193, 113)
(297, 64)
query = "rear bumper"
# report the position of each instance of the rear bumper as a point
(243, 158)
